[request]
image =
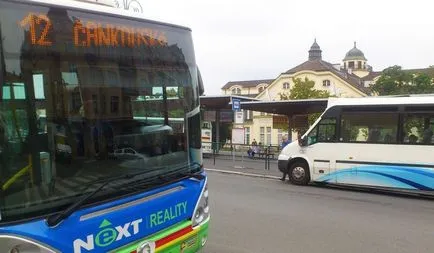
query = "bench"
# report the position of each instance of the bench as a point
(270, 151)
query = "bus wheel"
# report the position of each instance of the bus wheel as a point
(299, 173)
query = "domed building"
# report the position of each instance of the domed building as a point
(356, 62)
(315, 52)
(352, 77)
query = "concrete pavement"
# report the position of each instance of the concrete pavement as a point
(251, 215)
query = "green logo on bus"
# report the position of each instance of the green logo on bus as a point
(107, 235)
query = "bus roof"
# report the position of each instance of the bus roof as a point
(100, 8)
(384, 100)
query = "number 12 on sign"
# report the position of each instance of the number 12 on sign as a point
(40, 25)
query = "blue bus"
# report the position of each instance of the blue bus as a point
(81, 169)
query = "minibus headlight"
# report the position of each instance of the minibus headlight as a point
(201, 213)
(14, 244)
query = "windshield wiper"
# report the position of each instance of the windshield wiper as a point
(171, 176)
(55, 219)
(174, 174)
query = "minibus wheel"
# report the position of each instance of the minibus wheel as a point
(299, 173)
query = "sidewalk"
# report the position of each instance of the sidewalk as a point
(246, 166)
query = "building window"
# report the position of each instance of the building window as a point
(326, 83)
(359, 64)
(268, 135)
(127, 105)
(97, 76)
(103, 104)
(236, 91)
(76, 101)
(351, 65)
(248, 115)
(247, 137)
(95, 103)
(261, 89)
(112, 78)
(285, 86)
(280, 134)
(114, 105)
(262, 135)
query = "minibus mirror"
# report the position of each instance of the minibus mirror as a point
(302, 142)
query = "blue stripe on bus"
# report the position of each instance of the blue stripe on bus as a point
(388, 176)
(403, 180)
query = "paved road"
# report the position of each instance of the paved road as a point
(262, 215)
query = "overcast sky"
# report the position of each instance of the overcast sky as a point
(247, 40)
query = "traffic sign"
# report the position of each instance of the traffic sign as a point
(236, 104)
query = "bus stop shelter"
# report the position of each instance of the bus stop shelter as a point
(289, 108)
(220, 104)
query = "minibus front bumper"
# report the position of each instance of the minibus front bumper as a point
(282, 165)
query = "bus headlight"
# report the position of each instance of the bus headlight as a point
(201, 213)
(13, 244)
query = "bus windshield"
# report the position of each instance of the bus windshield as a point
(86, 96)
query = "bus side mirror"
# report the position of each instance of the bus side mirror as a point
(200, 82)
(302, 142)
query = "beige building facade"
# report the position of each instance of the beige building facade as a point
(351, 78)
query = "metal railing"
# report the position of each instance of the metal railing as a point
(240, 156)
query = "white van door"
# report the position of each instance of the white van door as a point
(320, 150)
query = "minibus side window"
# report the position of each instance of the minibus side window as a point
(369, 127)
(325, 131)
(418, 129)
(312, 136)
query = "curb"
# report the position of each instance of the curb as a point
(243, 173)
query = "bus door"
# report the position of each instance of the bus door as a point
(24, 109)
(320, 150)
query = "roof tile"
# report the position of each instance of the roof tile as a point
(319, 65)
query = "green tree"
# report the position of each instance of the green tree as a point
(304, 89)
(172, 92)
(421, 84)
(395, 81)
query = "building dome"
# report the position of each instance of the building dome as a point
(315, 46)
(355, 54)
(315, 52)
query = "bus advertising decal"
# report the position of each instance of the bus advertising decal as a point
(109, 233)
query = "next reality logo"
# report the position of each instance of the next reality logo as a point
(109, 234)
